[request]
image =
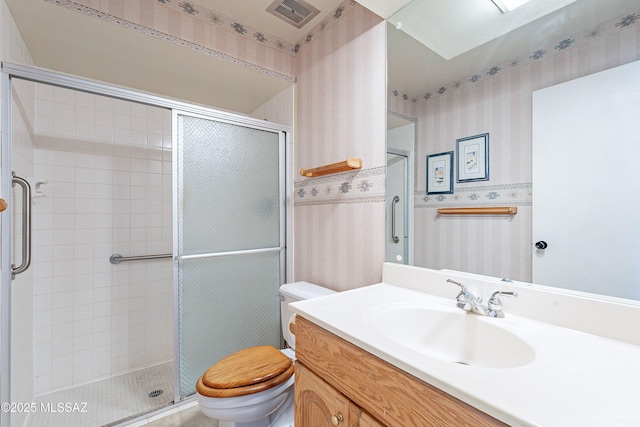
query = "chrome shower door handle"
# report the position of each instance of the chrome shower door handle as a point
(26, 226)
(394, 202)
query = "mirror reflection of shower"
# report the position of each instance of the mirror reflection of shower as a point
(396, 208)
(399, 189)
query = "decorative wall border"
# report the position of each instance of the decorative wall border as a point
(234, 26)
(212, 17)
(201, 13)
(519, 194)
(328, 21)
(72, 5)
(620, 23)
(364, 186)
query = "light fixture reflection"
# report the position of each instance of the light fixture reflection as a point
(508, 5)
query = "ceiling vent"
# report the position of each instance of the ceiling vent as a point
(295, 12)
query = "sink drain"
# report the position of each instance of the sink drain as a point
(461, 363)
(156, 393)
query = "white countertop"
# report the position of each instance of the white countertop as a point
(575, 379)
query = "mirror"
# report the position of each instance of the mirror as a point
(460, 81)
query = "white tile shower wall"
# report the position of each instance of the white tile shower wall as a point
(13, 49)
(107, 164)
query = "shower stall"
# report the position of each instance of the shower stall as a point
(399, 188)
(143, 241)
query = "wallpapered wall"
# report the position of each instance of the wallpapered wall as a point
(190, 25)
(339, 219)
(339, 68)
(499, 104)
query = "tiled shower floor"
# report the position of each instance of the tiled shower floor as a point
(107, 401)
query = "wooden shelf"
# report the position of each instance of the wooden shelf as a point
(497, 210)
(350, 164)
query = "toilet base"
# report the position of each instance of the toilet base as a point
(282, 417)
(260, 423)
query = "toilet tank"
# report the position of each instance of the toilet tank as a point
(297, 291)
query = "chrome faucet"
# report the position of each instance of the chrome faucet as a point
(495, 303)
(468, 302)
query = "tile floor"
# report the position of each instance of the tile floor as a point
(190, 417)
(103, 402)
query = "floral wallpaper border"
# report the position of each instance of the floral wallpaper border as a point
(240, 29)
(519, 194)
(364, 186)
(617, 24)
(227, 23)
(233, 25)
(70, 4)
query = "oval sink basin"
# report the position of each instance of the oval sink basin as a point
(458, 337)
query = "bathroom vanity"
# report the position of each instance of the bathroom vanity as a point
(400, 353)
(359, 388)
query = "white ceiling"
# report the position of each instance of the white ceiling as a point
(67, 41)
(62, 39)
(414, 69)
(384, 8)
(452, 31)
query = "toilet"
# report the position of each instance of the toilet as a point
(253, 387)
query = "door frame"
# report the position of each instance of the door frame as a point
(10, 71)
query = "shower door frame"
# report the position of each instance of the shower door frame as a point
(406, 159)
(281, 248)
(10, 71)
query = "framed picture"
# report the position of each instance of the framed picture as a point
(440, 173)
(473, 158)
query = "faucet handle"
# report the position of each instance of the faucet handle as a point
(464, 297)
(496, 294)
(463, 288)
(462, 301)
(495, 303)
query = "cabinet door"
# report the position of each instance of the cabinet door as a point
(359, 418)
(317, 403)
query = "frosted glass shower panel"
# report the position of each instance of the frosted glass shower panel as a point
(230, 190)
(230, 228)
(229, 303)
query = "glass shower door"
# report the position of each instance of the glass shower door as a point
(229, 239)
(397, 207)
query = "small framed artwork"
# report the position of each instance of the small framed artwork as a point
(440, 173)
(473, 158)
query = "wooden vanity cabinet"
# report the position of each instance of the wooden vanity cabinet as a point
(359, 418)
(318, 404)
(338, 383)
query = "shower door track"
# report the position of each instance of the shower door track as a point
(54, 78)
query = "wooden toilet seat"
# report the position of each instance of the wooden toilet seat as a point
(244, 372)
